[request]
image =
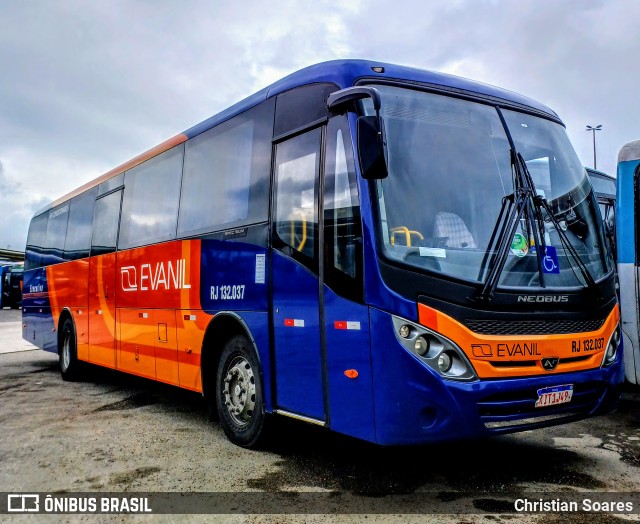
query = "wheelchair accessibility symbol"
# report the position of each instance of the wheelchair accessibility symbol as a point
(550, 261)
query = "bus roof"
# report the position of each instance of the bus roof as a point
(343, 73)
(629, 151)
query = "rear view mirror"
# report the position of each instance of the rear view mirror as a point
(371, 142)
(372, 147)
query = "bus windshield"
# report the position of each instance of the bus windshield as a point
(450, 166)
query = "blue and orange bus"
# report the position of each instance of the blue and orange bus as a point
(398, 255)
(627, 214)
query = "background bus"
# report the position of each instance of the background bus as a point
(628, 260)
(604, 187)
(12, 279)
(264, 258)
(4, 269)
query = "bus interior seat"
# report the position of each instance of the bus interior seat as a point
(452, 227)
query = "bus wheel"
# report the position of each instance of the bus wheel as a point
(239, 393)
(69, 363)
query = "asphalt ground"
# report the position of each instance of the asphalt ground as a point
(112, 432)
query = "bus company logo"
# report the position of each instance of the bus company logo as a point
(518, 349)
(550, 363)
(481, 350)
(537, 299)
(163, 276)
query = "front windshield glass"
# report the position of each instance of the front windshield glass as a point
(602, 185)
(449, 169)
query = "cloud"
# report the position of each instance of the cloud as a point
(17, 209)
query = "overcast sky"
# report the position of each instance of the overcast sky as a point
(87, 85)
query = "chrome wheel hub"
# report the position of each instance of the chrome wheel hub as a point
(239, 390)
(66, 351)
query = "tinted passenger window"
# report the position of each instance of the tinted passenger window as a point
(56, 234)
(297, 168)
(301, 107)
(78, 241)
(226, 174)
(342, 226)
(105, 224)
(35, 241)
(150, 206)
(111, 184)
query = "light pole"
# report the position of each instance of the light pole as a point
(593, 130)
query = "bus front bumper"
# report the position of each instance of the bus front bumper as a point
(414, 405)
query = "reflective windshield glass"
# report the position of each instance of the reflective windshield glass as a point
(606, 186)
(449, 169)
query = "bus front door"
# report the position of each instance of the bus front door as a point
(299, 374)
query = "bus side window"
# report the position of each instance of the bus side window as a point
(78, 242)
(226, 174)
(35, 242)
(297, 172)
(56, 234)
(150, 202)
(105, 223)
(342, 224)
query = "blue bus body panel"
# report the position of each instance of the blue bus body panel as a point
(296, 338)
(232, 276)
(625, 213)
(627, 263)
(36, 311)
(348, 344)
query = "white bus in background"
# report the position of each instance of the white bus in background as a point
(627, 215)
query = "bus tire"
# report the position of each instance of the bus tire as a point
(239, 393)
(67, 353)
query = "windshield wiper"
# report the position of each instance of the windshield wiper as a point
(541, 203)
(515, 206)
(526, 201)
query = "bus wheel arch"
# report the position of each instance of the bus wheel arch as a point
(228, 347)
(68, 347)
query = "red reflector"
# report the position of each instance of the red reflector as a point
(288, 322)
(340, 324)
(351, 373)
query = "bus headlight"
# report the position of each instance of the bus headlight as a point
(444, 362)
(405, 331)
(612, 347)
(438, 352)
(421, 346)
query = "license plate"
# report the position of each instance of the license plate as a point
(554, 395)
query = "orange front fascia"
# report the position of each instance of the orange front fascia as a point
(491, 355)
